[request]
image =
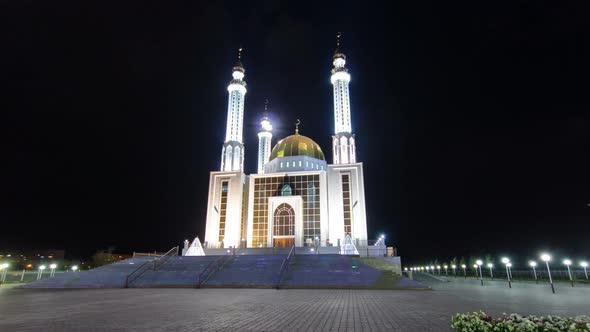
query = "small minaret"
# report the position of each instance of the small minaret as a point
(343, 148)
(232, 154)
(264, 140)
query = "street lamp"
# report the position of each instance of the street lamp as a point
(506, 261)
(454, 267)
(546, 258)
(52, 267)
(4, 269)
(438, 268)
(446, 267)
(464, 270)
(567, 263)
(533, 264)
(491, 266)
(41, 268)
(585, 266)
(75, 268)
(479, 263)
(432, 269)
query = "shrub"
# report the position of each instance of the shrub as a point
(480, 322)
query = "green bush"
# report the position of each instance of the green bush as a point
(480, 322)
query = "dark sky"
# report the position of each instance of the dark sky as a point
(472, 119)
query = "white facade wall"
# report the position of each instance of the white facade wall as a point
(335, 201)
(236, 182)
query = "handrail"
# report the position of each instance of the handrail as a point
(131, 277)
(284, 266)
(215, 265)
(164, 258)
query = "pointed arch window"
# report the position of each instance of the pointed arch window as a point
(286, 190)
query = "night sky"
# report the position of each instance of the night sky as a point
(472, 119)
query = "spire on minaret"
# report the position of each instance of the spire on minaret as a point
(297, 127)
(232, 154)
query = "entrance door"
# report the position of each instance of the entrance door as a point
(283, 242)
(284, 226)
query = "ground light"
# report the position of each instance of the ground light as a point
(546, 258)
(506, 261)
(585, 266)
(479, 263)
(464, 270)
(533, 264)
(567, 263)
(491, 266)
(454, 267)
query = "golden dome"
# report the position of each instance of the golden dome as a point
(297, 145)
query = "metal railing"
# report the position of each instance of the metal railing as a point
(284, 267)
(137, 272)
(147, 254)
(214, 266)
(164, 258)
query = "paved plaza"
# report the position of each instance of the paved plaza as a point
(272, 310)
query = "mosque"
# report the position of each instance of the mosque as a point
(296, 198)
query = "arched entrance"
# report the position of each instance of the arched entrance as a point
(284, 226)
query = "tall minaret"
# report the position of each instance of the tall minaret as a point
(264, 140)
(343, 139)
(232, 154)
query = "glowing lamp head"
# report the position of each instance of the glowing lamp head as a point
(405, 268)
(438, 267)
(446, 266)
(475, 266)
(52, 266)
(509, 264)
(505, 260)
(479, 262)
(432, 267)
(584, 264)
(4, 266)
(454, 266)
(265, 124)
(463, 265)
(490, 265)
(75, 267)
(545, 257)
(567, 262)
(533, 263)
(42, 267)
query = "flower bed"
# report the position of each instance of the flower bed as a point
(480, 322)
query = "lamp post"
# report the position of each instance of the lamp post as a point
(464, 270)
(475, 270)
(446, 267)
(52, 267)
(41, 268)
(4, 269)
(546, 258)
(454, 267)
(585, 266)
(479, 263)
(438, 268)
(533, 264)
(75, 268)
(506, 261)
(432, 269)
(567, 263)
(491, 266)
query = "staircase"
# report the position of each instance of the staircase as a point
(330, 271)
(248, 271)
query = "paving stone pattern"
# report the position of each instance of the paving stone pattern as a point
(274, 310)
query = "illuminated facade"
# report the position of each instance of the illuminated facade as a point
(296, 197)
